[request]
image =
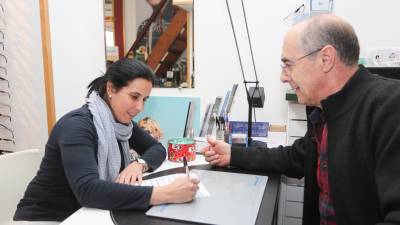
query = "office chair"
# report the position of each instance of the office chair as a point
(16, 171)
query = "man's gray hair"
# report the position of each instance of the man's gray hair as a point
(320, 32)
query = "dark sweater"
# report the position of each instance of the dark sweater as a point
(363, 122)
(68, 176)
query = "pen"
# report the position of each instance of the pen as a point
(222, 122)
(185, 164)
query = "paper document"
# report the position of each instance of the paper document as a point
(164, 180)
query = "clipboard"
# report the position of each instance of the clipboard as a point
(234, 199)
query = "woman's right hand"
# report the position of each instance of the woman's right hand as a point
(183, 189)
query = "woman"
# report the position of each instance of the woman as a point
(87, 161)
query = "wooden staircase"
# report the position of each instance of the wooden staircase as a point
(170, 45)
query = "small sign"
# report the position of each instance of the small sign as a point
(259, 129)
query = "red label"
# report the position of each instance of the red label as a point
(176, 152)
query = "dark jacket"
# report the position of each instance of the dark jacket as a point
(68, 176)
(363, 121)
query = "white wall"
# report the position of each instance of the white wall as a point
(77, 59)
(375, 22)
(23, 49)
(77, 35)
(216, 61)
(78, 49)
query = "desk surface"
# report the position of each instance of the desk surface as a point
(266, 214)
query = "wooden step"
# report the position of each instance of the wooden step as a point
(177, 47)
(174, 30)
(169, 60)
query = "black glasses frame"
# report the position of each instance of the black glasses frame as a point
(5, 116)
(6, 92)
(4, 57)
(5, 80)
(6, 105)
(2, 152)
(7, 139)
(4, 69)
(7, 128)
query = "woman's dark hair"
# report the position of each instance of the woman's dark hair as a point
(120, 74)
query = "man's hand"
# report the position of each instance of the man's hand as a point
(218, 153)
(132, 174)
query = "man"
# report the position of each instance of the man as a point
(350, 157)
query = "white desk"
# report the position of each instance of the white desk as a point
(89, 216)
(102, 217)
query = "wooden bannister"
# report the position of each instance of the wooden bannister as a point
(146, 28)
(170, 36)
(170, 45)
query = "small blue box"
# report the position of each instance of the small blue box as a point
(259, 129)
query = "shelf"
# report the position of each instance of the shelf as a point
(291, 96)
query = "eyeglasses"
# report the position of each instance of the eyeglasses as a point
(286, 63)
(7, 139)
(4, 69)
(2, 152)
(3, 21)
(5, 105)
(5, 116)
(8, 129)
(1, 17)
(5, 80)
(4, 57)
(5, 92)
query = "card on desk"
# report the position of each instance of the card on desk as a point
(234, 199)
(164, 180)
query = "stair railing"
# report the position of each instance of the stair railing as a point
(146, 28)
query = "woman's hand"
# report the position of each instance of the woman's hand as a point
(183, 189)
(132, 174)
